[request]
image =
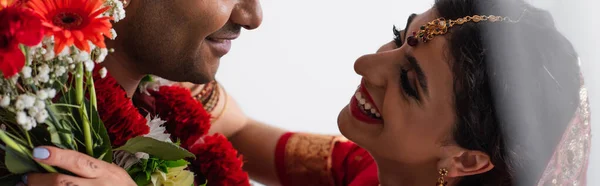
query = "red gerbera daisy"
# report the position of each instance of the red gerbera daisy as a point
(74, 22)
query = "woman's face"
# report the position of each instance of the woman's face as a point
(403, 109)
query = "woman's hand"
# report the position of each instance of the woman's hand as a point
(91, 171)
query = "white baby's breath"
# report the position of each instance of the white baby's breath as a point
(26, 72)
(24, 101)
(101, 55)
(103, 72)
(39, 104)
(5, 101)
(21, 118)
(51, 92)
(41, 116)
(42, 94)
(26, 122)
(89, 65)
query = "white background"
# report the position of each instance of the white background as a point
(296, 70)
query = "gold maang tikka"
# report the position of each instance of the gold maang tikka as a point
(441, 26)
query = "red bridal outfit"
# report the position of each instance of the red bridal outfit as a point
(320, 160)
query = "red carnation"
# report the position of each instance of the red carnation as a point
(186, 118)
(219, 162)
(17, 26)
(121, 118)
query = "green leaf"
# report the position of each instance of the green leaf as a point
(158, 149)
(59, 126)
(104, 148)
(177, 163)
(67, 121)
(18, 164)
(140, 180)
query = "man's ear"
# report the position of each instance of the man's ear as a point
(464, 162)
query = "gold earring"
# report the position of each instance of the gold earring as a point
(443, 173)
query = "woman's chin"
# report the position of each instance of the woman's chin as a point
(355, 130)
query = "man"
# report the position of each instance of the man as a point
(179, 40)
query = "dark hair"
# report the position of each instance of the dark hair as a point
(516, 87)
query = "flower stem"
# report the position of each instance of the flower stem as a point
(28, 138)
(92, 89)
(87, 134)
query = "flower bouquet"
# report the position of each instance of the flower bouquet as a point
(53, 91)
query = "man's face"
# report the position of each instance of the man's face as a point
(183, 40)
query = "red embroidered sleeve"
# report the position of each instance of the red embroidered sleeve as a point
(310, 159)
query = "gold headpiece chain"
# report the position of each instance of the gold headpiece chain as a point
(441, 26)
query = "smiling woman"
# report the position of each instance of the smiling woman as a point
(470, 92)
(455, 90)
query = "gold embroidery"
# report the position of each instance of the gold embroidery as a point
(308, 159)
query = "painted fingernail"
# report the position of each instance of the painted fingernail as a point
(41, 153)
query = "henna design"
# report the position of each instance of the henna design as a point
(67, 183)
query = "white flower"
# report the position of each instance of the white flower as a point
(51, 93)
(42, 94)
(49, 55)
(60, 70)
(39, 104)
(26, 72)
(24, 101)
(44, 78)
(102, 53)
(103, 72)
(89, 65)
(33, 111)
(82, 56)
(43, 51)
(41, 116)
(65, 52)
(113, 33)
(19, 105)
(157, 131)
(30, 124)
(44, 68)
(21, 118)
(5, 101)
(26, 123)
(69, 60)
(43, 73)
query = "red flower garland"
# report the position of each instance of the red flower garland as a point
(216, 158)
(121, 118)
(186, 119)
(218, 161)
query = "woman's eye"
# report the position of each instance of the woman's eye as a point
(406, 85)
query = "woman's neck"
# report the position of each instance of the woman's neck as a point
(393, 173)
(124, 73)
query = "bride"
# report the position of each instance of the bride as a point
(471, 92)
